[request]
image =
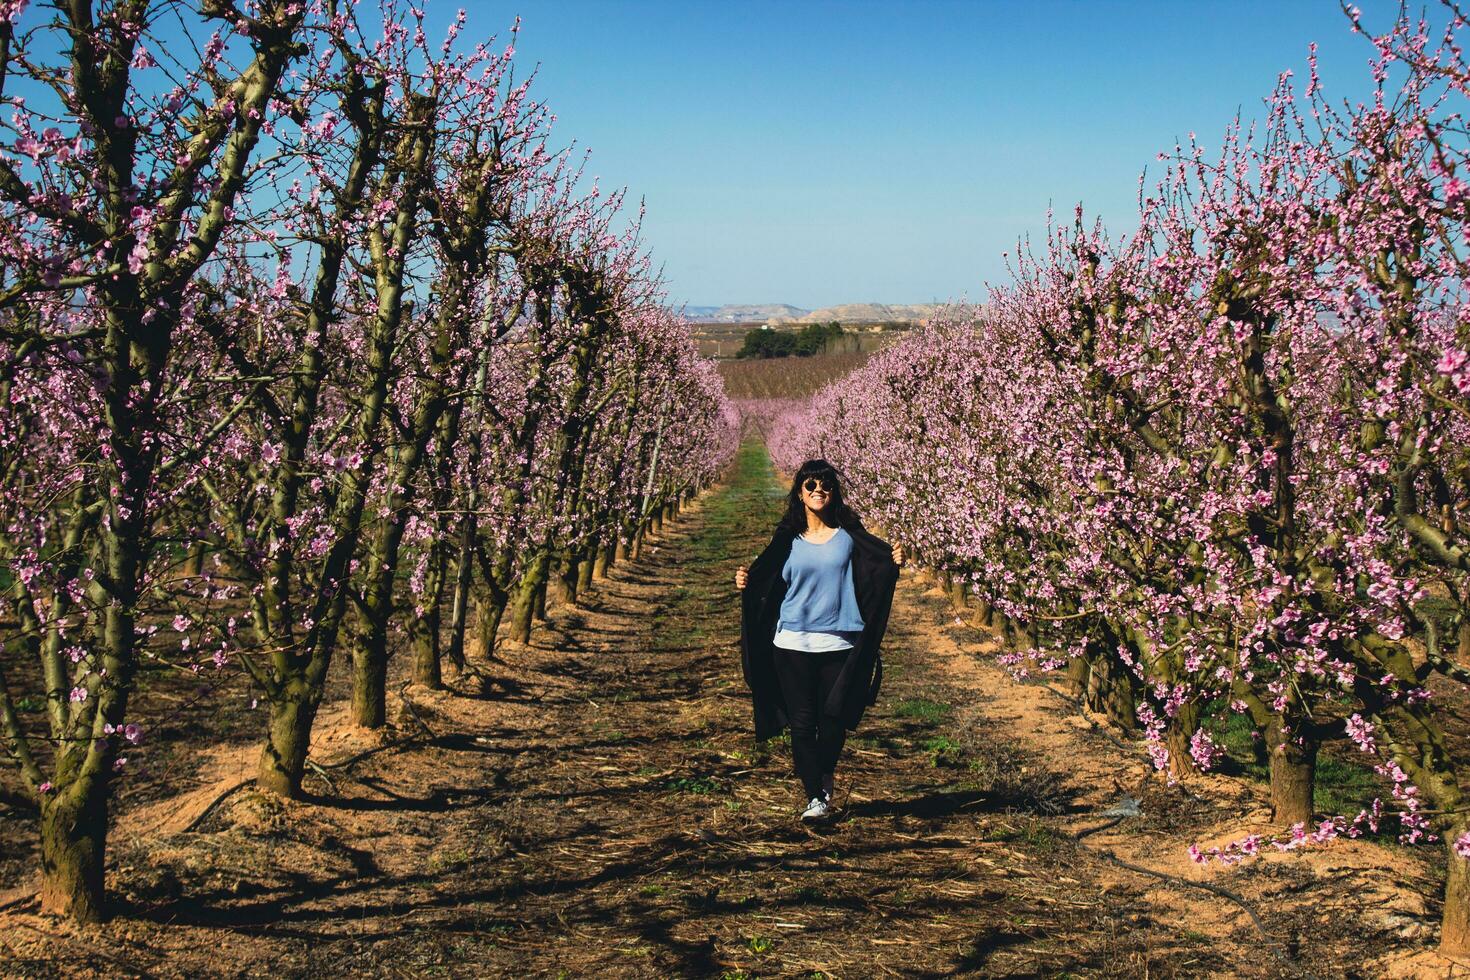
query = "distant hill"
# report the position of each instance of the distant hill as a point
(864, 313)
(755, 313)
(776, 314)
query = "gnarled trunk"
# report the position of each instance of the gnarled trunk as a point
(489, 612)
(194, 560)
(288, 737)
(539, 607)
(567, 578)
(73, 845)
(459, 607)
(1178, 731)
(1462, 646)
(523, 603)
(426, 665)
(1105, 686)
(370, 680)
(1454, 932)
(1293, 774)
(424, 628)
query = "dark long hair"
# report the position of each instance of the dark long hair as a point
(839, 513)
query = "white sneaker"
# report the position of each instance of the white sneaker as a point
(817, 810)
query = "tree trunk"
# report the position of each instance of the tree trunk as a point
(1017, 634)
(656, 520)
(1462, 648)
(194, 560)
(73, 842)
(1079, 674)
(459, 609)
(1177, 734)
(1106, 687)
(1113, 693)
(1454, 932)
(584, 574)
(1293, 775)
(984, 615)
(620, 551)
(424, 628)
(567, 579)
(426, 666)
(539, 607)
(288, 737)
(370, 682)
(370, 651)
(489, 613)
(602, 562)
(523, 605)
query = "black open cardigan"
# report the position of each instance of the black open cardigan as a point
(874, 577)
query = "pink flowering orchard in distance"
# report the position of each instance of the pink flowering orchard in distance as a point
(319, 336)
(1221, 466)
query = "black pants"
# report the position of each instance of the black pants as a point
(806, 680)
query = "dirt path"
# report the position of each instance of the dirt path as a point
(610, 816)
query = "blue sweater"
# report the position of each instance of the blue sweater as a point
(819, 594)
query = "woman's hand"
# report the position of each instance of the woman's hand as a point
(898, 555)
(742, 575)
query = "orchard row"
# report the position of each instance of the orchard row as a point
(308, 331)
(1221, 466)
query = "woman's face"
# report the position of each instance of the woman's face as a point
(816, 491)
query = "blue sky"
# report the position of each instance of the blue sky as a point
(822, 152)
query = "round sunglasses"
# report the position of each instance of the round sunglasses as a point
(815, 483)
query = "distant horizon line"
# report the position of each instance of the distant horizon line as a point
(824, 306)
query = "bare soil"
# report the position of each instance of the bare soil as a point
(598, 808)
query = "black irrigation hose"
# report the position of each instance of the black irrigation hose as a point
(1100, 827)
(1277, 949)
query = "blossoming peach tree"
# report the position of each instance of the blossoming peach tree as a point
(290, 334)
(1219, 467)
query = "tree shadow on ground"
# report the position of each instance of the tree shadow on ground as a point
(390, 907)
(439, 800)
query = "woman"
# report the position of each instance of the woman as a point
(814, 610)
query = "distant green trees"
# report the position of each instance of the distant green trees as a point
(812, 339)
